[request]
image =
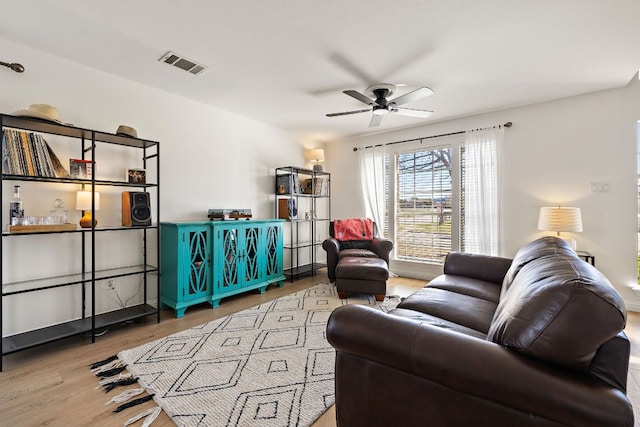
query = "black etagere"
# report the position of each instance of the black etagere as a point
(303, 198)
(85, 141)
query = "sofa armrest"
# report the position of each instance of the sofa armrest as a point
(382, 247)
(332, 247)
(474, 266)
(473, 367)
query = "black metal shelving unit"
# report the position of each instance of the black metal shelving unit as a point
(305, 234)
(86, 276)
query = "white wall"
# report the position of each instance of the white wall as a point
(209, 159)
(552, 153)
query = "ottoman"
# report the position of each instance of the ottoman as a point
(362, 276)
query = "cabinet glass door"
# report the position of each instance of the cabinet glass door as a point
(229, 248)
(197, 264)
(273, 250)
(251, 256)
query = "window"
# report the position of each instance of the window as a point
(428, 212)
(424, 202)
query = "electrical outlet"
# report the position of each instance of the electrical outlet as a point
(110, 284)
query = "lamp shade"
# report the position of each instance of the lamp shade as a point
(83, 201)
(316, 155)
(560, 219)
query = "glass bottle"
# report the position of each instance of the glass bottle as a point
(16, 212)
(59, 215)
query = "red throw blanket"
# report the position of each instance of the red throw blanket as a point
(353, 229)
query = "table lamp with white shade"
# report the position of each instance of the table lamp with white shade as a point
(316, 156)
(83, 203)
(561, 219)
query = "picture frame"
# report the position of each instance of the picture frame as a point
(136, 176)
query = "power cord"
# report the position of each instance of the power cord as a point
(123, 304)
(98, 334)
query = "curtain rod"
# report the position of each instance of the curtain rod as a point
(507, 125)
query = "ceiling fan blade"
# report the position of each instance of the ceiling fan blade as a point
(375, 120)
(360, 97)
(412, 96)
(410, 112)
(349, 112)
(351, 68)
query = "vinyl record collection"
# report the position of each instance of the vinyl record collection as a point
(27, 153)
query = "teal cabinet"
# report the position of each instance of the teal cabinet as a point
(186, 265)
(208, 261)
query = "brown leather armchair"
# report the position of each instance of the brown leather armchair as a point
(360, 266)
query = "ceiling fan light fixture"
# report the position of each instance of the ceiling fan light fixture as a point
(381, 106)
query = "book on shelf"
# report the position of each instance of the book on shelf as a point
(287, 209)
(27, 153)
(314, 186)
(80, 168)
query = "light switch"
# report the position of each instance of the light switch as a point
(600, 187)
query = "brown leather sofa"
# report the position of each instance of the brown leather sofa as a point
(533, 341)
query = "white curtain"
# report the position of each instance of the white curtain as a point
(372, 170)
(482, 190)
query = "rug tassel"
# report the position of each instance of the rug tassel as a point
(103, 362)
(111, 372)
(125, 395)
(108, 366)
(108, 380)
(133, 403)
(124, 382)
(151, 414)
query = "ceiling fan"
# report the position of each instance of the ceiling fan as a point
(381, 106)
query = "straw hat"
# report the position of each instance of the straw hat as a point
(127, 131)
(40, 111)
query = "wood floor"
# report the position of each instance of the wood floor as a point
(51, 384)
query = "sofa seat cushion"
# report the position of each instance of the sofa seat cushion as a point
(559, 309)
(436, 321)
(466, 286)
(465, 310)
(358, 253)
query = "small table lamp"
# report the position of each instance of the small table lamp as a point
(316, 156)
(83, 203)
(561, 219)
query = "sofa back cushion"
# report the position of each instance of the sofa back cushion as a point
(548, 245)
(559, 309)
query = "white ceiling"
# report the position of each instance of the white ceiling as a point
(285, 62)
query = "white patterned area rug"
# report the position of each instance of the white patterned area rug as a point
(270, 365)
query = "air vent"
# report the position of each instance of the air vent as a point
(183, 63)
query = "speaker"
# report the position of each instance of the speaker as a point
(136, 208)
